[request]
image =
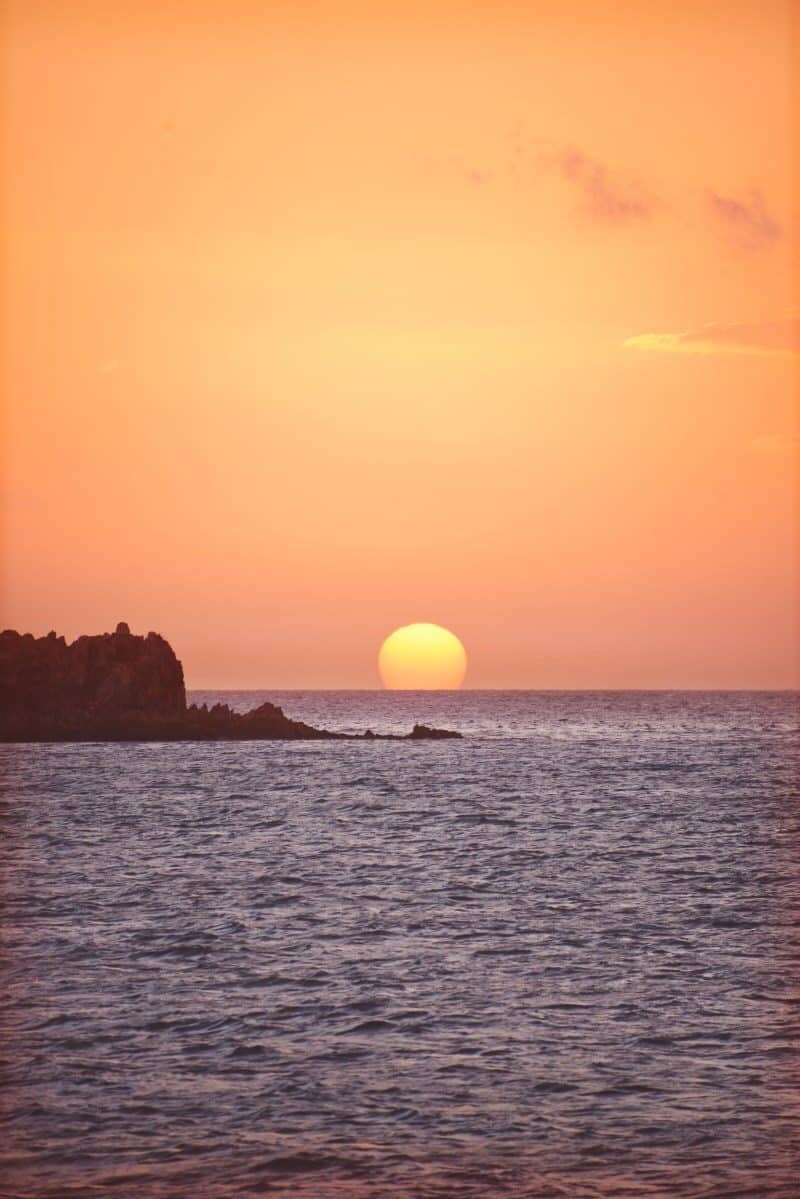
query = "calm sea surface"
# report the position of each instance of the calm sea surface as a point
(558, 958)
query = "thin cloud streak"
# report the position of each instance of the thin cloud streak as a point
(761, 337)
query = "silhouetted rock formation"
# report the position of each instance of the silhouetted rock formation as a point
(118, 687)
(47, 685)
(423, 732)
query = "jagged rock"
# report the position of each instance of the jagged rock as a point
(47, 685)
(423, 732)
(121, 687)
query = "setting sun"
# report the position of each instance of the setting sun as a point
(422, 657)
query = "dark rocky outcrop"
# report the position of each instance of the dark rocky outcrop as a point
(424, 732)
(119, 687)
(46, 684)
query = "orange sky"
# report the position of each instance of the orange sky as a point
(315, 324)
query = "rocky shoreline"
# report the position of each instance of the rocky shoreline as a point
(121, 687)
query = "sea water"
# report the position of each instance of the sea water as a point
(560, 957)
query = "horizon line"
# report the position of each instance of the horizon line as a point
(521, 690)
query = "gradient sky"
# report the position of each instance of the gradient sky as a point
(321, 319)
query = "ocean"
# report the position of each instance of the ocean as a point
(559, 958)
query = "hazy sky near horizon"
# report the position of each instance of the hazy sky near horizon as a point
(322, 319)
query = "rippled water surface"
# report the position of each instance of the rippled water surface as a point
(558, 958)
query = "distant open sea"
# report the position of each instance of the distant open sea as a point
(560, 957)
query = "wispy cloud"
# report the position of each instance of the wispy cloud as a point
(759, 337)
(745, 222)
(476, 175)
(604, 196)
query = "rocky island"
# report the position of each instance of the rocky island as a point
(121, 687)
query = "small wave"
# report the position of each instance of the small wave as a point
(375, 1025)
(306, 1163)
(248, 1051)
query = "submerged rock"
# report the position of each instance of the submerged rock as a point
(121, 687)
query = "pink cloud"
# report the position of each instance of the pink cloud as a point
(603, 195)
(746, 222)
